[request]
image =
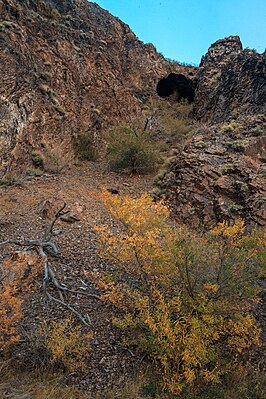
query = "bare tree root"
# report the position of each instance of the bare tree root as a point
(45, 247)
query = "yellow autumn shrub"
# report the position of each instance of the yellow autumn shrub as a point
(185, 297)
(67, 344)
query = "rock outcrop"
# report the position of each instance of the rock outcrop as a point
(231, 82)
(220, 174)
(67, 67)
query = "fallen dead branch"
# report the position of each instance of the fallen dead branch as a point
(46, 249)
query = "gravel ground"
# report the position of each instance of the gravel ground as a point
(109, 363)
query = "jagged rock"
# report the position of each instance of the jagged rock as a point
(221, 173)
(231, 81)
(49, 207)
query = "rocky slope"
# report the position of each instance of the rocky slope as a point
(221, 173)
(67, 68)
(21, 215)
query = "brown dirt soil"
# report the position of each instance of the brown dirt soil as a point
(109, 363)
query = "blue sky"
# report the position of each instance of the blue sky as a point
(184, 29)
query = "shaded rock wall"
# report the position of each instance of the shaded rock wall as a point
(232, 82)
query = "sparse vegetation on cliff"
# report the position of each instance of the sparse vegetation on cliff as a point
(84, 147)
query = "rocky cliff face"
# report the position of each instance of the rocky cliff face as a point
(67, 67)
(231, 82)
(220, 174)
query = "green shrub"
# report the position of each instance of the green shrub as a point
(84, 147)
(9, 179)
(5, 182)
(37, 159)
(173, 122)
(229, 168)
(234, 125)
(158, 192)
(257, 131)
(131, 151)
(6, 25)
(160, 176)
(235, 146)
(34, 172)
(50, 12)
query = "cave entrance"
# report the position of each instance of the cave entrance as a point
(177, 85)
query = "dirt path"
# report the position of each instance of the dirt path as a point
(20, 218)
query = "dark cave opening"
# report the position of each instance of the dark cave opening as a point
(177, 84)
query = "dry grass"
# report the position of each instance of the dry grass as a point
(40, 384)
(43, 384)
(248, 383)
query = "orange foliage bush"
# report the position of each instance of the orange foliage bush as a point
(17, 276)
(185, 297)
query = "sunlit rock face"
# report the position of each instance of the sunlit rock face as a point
(68, 67)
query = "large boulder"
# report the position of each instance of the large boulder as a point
(219, 175)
